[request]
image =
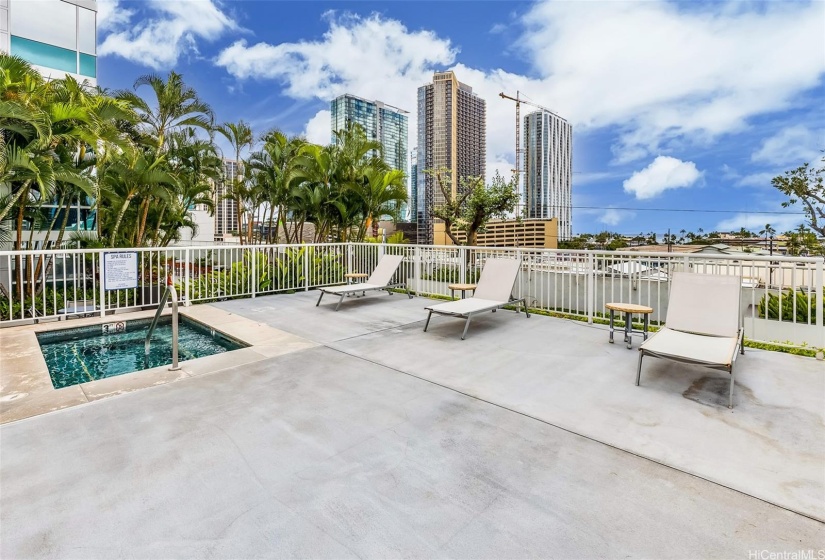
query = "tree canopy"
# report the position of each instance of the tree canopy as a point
(804, 185)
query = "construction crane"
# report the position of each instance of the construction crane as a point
(519, 101)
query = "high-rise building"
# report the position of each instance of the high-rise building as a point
(412, 195)
(226, 210)
(383, 123)
(57, 37)
(548, 142)
(452, 135)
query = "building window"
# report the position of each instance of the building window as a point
(88, 65)
(42, 54)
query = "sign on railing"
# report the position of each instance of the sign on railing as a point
(120, 270)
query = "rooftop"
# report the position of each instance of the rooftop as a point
(359, 435)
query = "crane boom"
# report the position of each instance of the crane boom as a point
(519, 101)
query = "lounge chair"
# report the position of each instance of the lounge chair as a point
(703, 324)
(494, 290)
(82, 308)
(379, 280)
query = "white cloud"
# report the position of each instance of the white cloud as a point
(662, 174)
(370, 57)
(661, 73)
(656, 74)
(318, 129)
(792, 145)
(172, 30)
(757, 179)
(112, 15)
(613, 217)
(756, 222)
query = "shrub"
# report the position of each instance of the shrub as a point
(769, 307)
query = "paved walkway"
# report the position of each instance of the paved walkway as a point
(332, 452)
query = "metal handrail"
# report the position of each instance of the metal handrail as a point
(170, 290)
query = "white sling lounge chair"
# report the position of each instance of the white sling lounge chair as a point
(494, 290)
(703, 324)
(379, 280)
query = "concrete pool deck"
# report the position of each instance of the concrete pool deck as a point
(26, 388)
(528, 439)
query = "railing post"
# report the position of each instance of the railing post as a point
(101, 287)
(349, 256)
(520, 275)
(306, 267)
(187, 263)
(254, 266)
(463, 261)
(590, 286)
(417, 267)
(820, 289)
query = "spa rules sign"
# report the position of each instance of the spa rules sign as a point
(120, 270)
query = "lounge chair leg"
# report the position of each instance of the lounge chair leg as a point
(319, 298)
(466, 326)
(639, 369)
(339, 302)
(524, 303)
(730, 399)
(409, 295)
(427, 324)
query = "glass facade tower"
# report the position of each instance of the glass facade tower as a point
(383, 123)
(548, 142)
(57, 37)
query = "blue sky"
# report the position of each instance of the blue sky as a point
(691, 105)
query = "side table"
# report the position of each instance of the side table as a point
(462, 288)
(629, 309)
(356, 278)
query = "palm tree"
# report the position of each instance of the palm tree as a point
(177, 106)
(275, 169)
(381, 194)
(241, 138)
(135, 174)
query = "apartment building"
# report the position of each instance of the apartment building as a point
(452, 129)
(548, 142)
(383, 123)
(58, 37)
(226, 210)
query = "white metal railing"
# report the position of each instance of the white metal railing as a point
(781, 296)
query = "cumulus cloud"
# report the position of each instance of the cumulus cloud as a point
(170, 30)
(756, 222)
(319, 127)
(757, 179)
(111, 15)
(613, 217)
(370, 57)
(656, 73)
(792, 145)
(664, 173)
(661, 72)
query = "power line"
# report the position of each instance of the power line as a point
(694, 210)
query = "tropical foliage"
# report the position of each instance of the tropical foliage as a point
(87, 167)
(797, 306)
(473, 205)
